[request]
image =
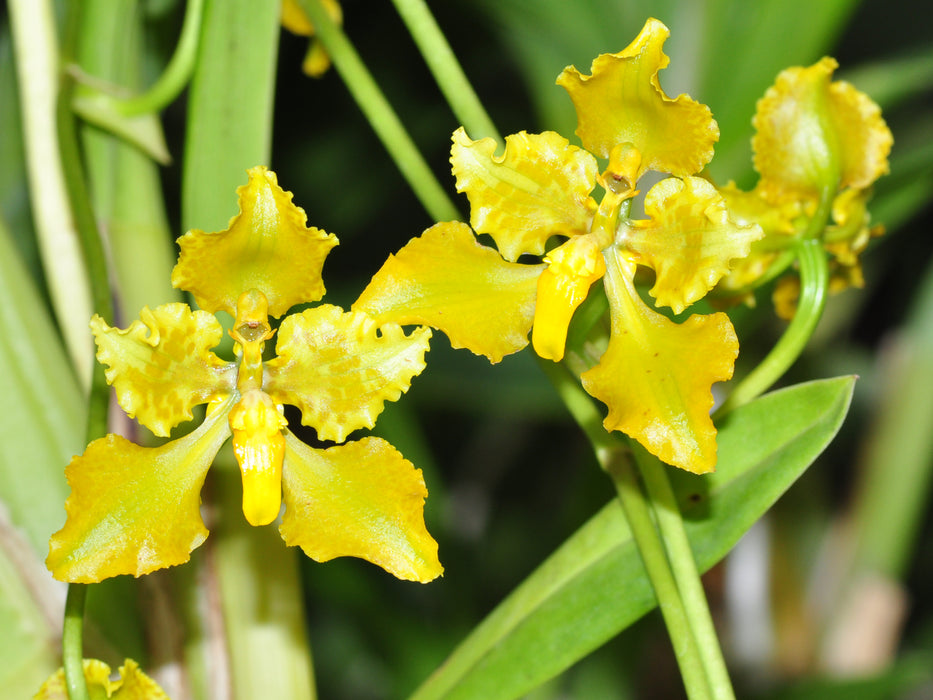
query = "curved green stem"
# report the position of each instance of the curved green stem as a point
(381, 116)
(177, 73)
(615, 458)
(72, 642)
(446, 69)
(96, 268)
(814, 283)
(671, 523)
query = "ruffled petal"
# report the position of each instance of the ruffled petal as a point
(539, 187)
(656, 375)
(267, 246)
(811, 134)
(362, 499)
(135, 509)
(340, 368)
(446, 280)
(622, 102)
(689, 240)
(132, 683)
(161, 366)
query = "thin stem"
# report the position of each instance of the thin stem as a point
(671, 523)
(72, 642)
(814, 283)
(79, 202)
(446, 69)
(814, 280)
(177, 73)
(670, 601)
(614, 457)
(96, 269)
(381, 116)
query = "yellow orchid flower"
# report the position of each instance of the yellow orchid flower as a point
(132, 683)
(655, 375)
(135, 509)
(815, 140)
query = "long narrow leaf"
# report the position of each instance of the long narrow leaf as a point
(595, 585)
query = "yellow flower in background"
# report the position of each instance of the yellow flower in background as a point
(132, 683)
(135, 509)
(654, 375)
(295, 20)
(815, 139)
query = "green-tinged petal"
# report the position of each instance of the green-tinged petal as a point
(656, 375)
(539, 187)
(362, 499)
(446, 280)
(811, 134)
(689, 240)
(132, 683)
(341, 367)
(135, 509)
(161, 366)
(267, 246)
(622, 102)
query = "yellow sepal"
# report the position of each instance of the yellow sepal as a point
(562, 287)
(812, 133)
(446, 280)
(622, 102)
(267, 246)
(539, 187)
(340, 368)
(294, 19)
(689, 240)
(259, 447)
(135, 509)
(161, 366)
(132, 683)
(361, 499)
(656, 375)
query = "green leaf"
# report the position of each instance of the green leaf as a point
(43, 426)
(27, 651)
(595, 585)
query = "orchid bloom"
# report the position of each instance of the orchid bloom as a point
(654, 375)
(135, 509)
(815, 138)
(132, 684)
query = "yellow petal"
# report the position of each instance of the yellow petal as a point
(446, 280)
(362, 499)
(656, 375)
(689, 240)
(622, 102)
(563, 286)
(539, 187)
(135, 509)
(259, 446)
(295, 20)
(340, 368)
(811, 133)
(267, 246)
(132, 684)
(161, 366)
